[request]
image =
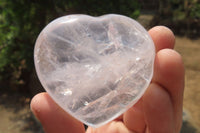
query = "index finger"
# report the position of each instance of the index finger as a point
(162, 37)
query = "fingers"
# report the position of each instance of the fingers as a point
(134, 118)
(158, 110)
(52, 117)
(169, 73)
(162, 37)
(168, 81)
(162, 102)
(169, 68)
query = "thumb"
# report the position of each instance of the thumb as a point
(52, 117)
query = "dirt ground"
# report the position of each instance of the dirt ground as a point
(15, 113)
(190, 51)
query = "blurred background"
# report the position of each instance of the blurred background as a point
(22, 20)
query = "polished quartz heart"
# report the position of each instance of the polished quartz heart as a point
(95, 68)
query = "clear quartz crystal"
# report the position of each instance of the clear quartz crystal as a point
(95, 68)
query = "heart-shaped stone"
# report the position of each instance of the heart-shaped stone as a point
(95, 68)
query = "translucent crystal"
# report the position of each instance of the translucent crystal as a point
(95, 68)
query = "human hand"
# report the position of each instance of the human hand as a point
(158, 111)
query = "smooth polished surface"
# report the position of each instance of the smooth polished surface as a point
(95, 68)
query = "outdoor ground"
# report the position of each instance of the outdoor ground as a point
(190, 50)
(16, 116)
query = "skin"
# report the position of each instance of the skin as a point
(158, 111)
